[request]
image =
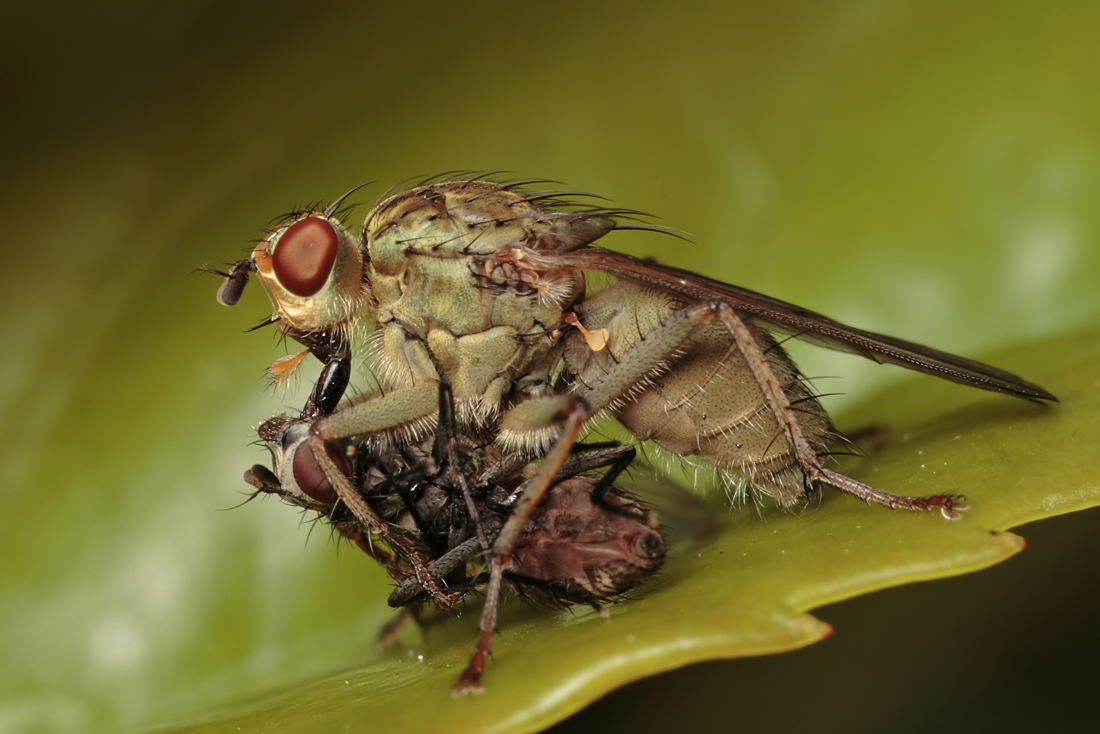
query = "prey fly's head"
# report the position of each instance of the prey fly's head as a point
(300, 477)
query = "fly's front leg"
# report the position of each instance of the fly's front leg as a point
(406, 413)
(329, 388)
(576, 414)
(334, 351)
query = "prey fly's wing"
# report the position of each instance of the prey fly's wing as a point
(788, 318)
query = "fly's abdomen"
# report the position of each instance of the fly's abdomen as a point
(704, 400)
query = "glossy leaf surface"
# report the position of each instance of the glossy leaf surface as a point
(747, 592)
(926, 171)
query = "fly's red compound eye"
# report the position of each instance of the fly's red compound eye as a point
(311, 477)
(305, 255)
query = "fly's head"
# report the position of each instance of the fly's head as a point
(312, 269)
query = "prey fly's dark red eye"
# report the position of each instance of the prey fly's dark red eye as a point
(311, 478)
(305, 255)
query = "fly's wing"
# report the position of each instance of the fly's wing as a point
(787, 318)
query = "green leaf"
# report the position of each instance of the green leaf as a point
(929, 171)
(747, 592)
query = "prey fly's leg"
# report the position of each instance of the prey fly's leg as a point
(441, 567)
(415, 612)
(617, 458)
(446, 448)
(599, 493)
(388, 634)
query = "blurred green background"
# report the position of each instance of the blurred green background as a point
(924, 169)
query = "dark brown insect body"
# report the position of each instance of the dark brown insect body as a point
(481, 284)
(587, 542)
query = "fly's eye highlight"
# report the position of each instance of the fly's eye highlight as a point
(305, 255)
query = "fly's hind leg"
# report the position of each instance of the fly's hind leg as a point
(576, 413)
(655, 351)
(809, 461)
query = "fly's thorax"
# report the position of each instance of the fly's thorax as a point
(433, 280)
(313, 271)
(425, 238)
(704, 400)
(433, 291)
(432, 265)
(450, 218)
(473, 361)
(424, 246)
(484, 368)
